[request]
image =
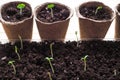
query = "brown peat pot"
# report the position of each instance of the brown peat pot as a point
(117, 22)
(93, 21)
(15, 23)
(53, 28)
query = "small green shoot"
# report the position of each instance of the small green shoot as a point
(51, 6)
(49, 74)
(21, 42)
(51, 49)
(49, 60)
(12, 64)
(21, 6)
(76, 33)
(98, 8)
(16, 51)
(84, 59)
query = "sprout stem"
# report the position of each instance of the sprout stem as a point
(21, 6)
(16, 51)
(77, 38)
(51, 66)
(85, 66)
(85, 62)
(51, 6)
(49, 60)
(115, 72)
(52, 12)
(98, 8)
(20, 11)
(51, 49)
(21, 42)
(49, 74)
(11, 63)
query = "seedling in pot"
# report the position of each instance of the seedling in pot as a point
(76, 33)
(13, 66)
(49, 59)
(98, 9)
(16, 51)
(49, 74)
(51, 49)
(21, 42)
(51, 6)
(84, 59)
(21, 6)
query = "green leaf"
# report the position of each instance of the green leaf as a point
(50, 6)
(11, 62)
(21, 6)
(84, 58)
(47, 58)
(99, 7)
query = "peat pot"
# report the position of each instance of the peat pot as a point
(16, 22)
(117, 22)
(94, 19)
(52, 22)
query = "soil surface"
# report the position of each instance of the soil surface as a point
(59, 13)
(90, 12)
(118, 8)
(11, 13)
(103, 61)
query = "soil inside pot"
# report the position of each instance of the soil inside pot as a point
(60, 12)
(90, 12)
(118, 8)
(11, 13)
(102, 62)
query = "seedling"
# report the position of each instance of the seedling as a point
(51, 6)
(49, 74)
(51, 49)
(21, 42)
(12, 64)
(85, 61)
(49, 60)
(16, 51)
(21, 6)
(98, 8)
(76, 33)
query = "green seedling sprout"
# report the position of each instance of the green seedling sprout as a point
(21, 6)
(16, 51)
(12, 64)
(49, 60)
(21, 42)
(51, 6)
(98, 8)
(76, 33)
(51, 49)
(49, 74)
(84, 59)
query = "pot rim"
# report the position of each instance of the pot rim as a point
(84, 3)
(15, 23)
(37, 7)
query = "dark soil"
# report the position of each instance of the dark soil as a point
(103, 60)
(90, 12)
(11, 13)
(118, 8)
(60, 12)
